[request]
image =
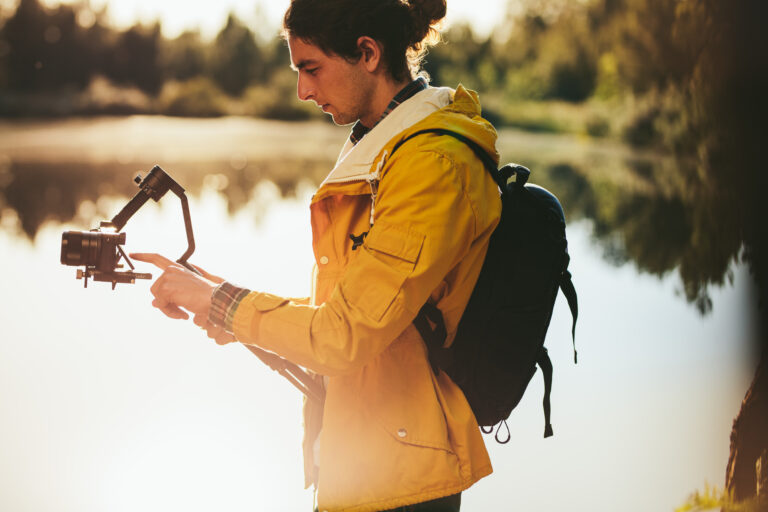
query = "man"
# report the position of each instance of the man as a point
(390, 232)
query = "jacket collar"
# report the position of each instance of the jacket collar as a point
(355, 162)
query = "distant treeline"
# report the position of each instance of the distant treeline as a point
(640, 69)
(68, 60)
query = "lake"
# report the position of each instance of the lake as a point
(105, 404)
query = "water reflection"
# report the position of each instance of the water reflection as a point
(655, 228)
(642, 208)
(35, 192)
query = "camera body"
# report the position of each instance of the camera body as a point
(92, 249)
(100, 253)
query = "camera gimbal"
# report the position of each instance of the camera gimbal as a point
(100, 251)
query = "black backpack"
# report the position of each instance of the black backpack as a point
(500, 337)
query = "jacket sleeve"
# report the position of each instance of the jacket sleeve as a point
(424, 225)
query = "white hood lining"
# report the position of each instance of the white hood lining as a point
(355, 161)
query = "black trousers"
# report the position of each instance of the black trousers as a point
(446, 504)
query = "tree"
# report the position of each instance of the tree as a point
(136, 58)
(236, 59)
(26, 48)
(185, 57)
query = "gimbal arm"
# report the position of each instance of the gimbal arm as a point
(154, 186)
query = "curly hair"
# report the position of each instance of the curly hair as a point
(404, 28)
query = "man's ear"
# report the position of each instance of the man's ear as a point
(371, 53)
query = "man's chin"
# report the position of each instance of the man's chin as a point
(340, 119)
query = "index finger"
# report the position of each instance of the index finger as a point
(157, 260)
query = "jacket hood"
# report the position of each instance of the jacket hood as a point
(434, 107)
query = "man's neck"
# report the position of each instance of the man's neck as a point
(382, 95)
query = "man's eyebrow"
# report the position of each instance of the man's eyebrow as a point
(302, 64)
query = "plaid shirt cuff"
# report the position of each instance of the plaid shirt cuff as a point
(224, 302)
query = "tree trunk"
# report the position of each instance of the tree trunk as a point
(747, 469)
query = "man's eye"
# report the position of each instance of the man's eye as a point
(312, 71)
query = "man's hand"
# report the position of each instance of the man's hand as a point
(208, 275)
(215, 332)
(178, 289)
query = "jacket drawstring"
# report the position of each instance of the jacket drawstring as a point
(373, 181)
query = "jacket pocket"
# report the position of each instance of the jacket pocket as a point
(376, 275)
(405, 402)
(398, 245)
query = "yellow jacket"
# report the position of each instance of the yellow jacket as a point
(393, 433)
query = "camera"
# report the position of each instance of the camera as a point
(100, 250)
(100, 253)
(91, 248)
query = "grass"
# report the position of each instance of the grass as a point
(712, 498)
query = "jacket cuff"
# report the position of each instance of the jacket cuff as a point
(247, 319)
(224, 302)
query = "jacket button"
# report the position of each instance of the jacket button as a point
(323, 260)
(402, 432)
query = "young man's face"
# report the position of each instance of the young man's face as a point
(340, 88)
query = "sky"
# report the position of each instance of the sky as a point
(179, 15)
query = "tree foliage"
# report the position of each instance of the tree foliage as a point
(237, 60)
(51, 49)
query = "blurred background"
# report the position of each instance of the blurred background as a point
(643, 116)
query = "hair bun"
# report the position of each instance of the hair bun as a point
(424, 14)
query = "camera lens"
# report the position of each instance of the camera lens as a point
(91, 248)
(80, 248)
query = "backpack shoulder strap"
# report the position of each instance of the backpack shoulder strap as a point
(430, 315)
(566, 285)
(545, 363)
(480, 152)
(500, 176)
(429, 321)
(431, 326)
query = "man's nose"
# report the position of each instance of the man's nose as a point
(303, 89)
